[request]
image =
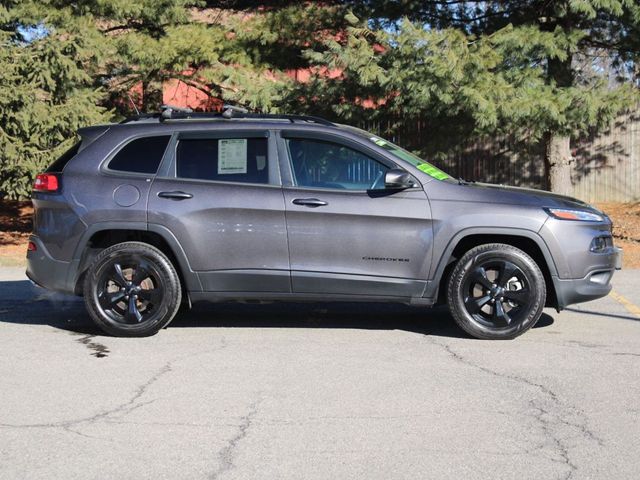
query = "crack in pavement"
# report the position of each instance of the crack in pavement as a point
(626, 354)
(207, 425)
(548, 420)
(598, 348)
(123, 407)
(227, 453)
(120, 410)
(547, 428)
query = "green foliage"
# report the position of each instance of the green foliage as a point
(496, 80)
(67, 65)
(47, 92)
(528, 68)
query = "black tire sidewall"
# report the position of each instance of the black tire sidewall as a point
(170, 283)
(456, 294)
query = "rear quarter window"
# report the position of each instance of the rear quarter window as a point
(61, 162)
(142, 155)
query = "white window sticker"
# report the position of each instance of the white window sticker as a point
(232, 155)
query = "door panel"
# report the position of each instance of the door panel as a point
(229, 232)
(373, 242)
(347, 233)
(226, 211)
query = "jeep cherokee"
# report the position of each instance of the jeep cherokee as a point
(180, 207)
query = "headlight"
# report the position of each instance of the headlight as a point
(580, 215)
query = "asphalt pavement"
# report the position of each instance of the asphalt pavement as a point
(318, 391)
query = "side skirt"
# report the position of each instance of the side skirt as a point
(264, 297)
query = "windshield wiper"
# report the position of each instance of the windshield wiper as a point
(462, 181)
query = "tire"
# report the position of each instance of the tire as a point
(496, 292)
(132, 290)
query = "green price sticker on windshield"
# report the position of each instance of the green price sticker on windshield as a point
(378, 141)
(433, 171)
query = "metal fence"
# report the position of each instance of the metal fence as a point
(606, 165)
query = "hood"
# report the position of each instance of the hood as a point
(523, 196)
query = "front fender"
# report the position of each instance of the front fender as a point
(496, 233)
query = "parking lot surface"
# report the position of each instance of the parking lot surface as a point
(317, 391)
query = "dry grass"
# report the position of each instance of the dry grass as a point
(626, 230)
(15, 226)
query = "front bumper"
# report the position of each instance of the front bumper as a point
(596, 284)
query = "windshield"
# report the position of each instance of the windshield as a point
(402, 154)
(414, 160)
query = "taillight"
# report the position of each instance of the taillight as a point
(46, 182)
(31, 247)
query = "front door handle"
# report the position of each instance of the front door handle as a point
(310, 202)
(175, 195)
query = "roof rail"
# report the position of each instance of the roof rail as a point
(142, 116)
(234, 112)
(165, 112)
(229, 110)
(170, 113)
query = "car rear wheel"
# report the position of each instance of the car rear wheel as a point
(132, 290)
(496, 292)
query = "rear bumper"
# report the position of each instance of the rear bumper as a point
(596, 284)
(46, 271)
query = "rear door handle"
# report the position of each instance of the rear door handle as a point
(175, 195)
(310, 202)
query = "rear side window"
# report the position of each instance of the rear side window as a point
(242, 160)
(142, 155)
(60, 163)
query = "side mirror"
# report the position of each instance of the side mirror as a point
(397, 178)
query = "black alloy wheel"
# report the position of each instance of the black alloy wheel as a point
(132, 289)
(496, 291)
(501, 300)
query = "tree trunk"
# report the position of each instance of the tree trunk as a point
(558, 163)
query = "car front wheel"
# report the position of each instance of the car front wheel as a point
(132, 290)
(496, 291)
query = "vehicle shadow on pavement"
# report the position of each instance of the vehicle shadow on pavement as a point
(602, 314)
(22, 303)
(366, 316)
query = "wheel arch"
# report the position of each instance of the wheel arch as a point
(104, 235)
(526, 240)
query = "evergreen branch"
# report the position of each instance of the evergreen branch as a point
(127, 26)
(609, 46)
(9, 136)
(207, 88)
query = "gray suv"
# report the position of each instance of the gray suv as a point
(179, 207)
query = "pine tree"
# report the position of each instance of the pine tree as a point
(572, 32)
(65, 65)
(233, 53)
(48, 62)
(522, 67)
(530, 68)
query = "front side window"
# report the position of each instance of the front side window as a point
(242, 160)
(142, 155)
(321, 164)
